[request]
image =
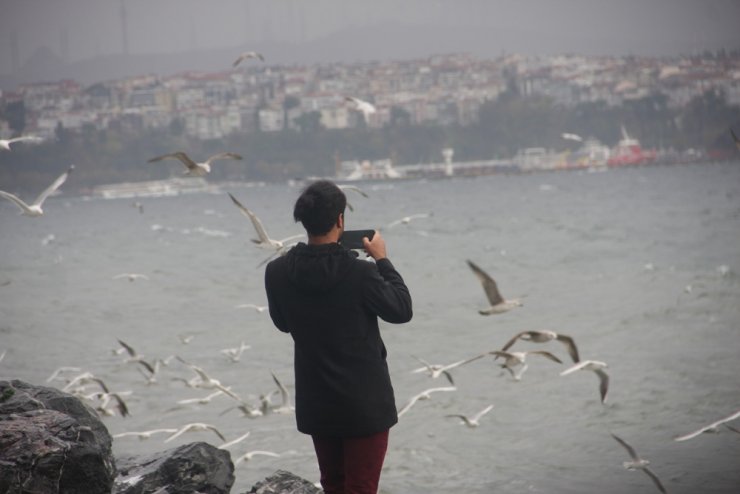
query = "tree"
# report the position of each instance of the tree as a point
(15, 115)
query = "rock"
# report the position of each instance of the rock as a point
(194, 467)
(284, 482)
(51, 442)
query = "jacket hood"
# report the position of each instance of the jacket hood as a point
(318, 268)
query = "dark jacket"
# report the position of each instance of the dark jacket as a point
(330, 301)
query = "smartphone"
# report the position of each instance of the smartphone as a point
(352, 239)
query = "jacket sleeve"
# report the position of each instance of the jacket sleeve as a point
(275, 313)
(387, 295)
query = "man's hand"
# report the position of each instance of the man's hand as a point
(375, 248)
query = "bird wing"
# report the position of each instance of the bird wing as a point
(121, 405)
(54, 186)
(178, 433)
(128, 348)
(408, 405)
(626, 446)
(223, 156)
(261, 233)
(215, 431)
(547, 355)
(655, 479)
(573, 368)
(179, 155)
(603, 383)
(570, 345)
(513, 340)
(283, 390)
(478, 415)
(354, 188)
(726, 419)
(489, 285)
(18, 202)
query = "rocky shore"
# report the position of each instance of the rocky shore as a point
(52, 442)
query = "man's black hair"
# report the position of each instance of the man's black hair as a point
(319, 206)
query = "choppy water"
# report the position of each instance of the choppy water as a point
(604, 257)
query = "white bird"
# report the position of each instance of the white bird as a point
(247, 55)
(235, 354)
(251, 454)
(131, 276)
(498, 303)
(436, 370)
(195, 427)
(713, 427)
(407, 219)
(638, 463)
(258, 308)
(204, 400)
(424, 395)
(143, 435)
(473, 421)
(247, 410)
(196, 169)
(286, 406)
(515, 359)
(206, 382)
(83, 380)
(60, 370)
(235, 441)
(2, 355)
(598, 368)
(105, 399)
(5, 143)
(362, 106)
(571, 137)
(264, 241)
(34, 209)
(543, 337)
(185, 339)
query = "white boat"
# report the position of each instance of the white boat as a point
(154, 188)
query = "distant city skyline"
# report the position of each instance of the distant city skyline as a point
(75, 31)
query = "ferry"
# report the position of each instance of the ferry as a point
(629, 152)
(154, 188)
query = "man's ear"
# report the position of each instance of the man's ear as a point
(340, 220)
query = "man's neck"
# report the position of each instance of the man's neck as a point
(329, 238)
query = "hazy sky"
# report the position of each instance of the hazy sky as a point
(81, 29)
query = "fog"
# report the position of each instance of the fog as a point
(40, 37)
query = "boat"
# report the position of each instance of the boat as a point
(154, 188)
(629, 152)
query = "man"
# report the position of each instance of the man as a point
(329, 301)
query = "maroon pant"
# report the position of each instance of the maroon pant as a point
(351, 465)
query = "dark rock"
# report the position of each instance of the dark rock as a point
(194, 467)
(50, 442)
(283, 482)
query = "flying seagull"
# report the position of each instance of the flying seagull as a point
(473, 421)
(407, 219)
(34, 209)
(498, 303)
(144, 434)
(709, 428)
(5, 143)
(234, 441)
(286, 406)
(514, 359)
(638, 463)
(247, 55)
(597, 367)
(131, 276)
(251, 454)
(196, 169)
(571, 137)
(544, 337)
(424, 395)
(361, 106)
(436, 370)
(264, 241)
(196, 427)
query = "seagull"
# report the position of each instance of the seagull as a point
(235, 441)
(133, 355)
(196, 169)
(246, 409)
(286, 406)
(5, 143)
(424, 395)
(196, 427)
(264, 240)
(247, 55)
(709, 428)
(185, 339)
(498, 303)
(131, 276)
(596, 366)
(144, 434)
(353, 188)
(514, 359)
(544, 337)
(258, 308)
(734, 138)
(84, 379)
(106, 398)
(472, 422)
(60, 370)
(207, 382)
(2, 355)
(435, 370)
(34, 209)
(235, 354)
(248, 456)
(153, 370)
(204, 400)
(407, 219)
(362, 106)
(571, 137)
(638, 463)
